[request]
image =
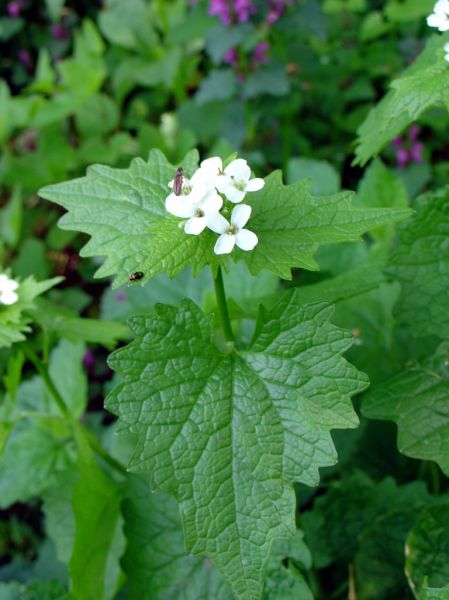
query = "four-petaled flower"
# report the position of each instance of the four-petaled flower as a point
(197, 207)
(210, 169)
(440, 16)
(235, 181)
(8, 294)
(197, 200)
(232, 233)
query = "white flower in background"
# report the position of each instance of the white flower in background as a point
(197, 207)
(235, 181)
(446, 49)
(440, 16)
(233, 233)
(7, 290)
(207, 174)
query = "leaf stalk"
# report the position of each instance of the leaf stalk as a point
(222, 306)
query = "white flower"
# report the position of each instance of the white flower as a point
(233, 233)
(197, 207)
(446, 49)
(235, 181)
(208, 172)
(7, 290)
(440, 16)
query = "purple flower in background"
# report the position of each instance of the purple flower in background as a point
(243, 10)
(13, 9)
(88, 359)
(231, 57)
(220, 8)
(260, 55)
(120, 296)
(277, 8)
(60, 32)
(230, 11)
(408, 148)
(25, 58)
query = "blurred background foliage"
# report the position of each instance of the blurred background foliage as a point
(286, 84)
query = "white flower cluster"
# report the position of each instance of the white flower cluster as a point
(440, 19)
(8, 286)
(199, 201)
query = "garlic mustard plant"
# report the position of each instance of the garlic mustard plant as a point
(8, 287)
(200, 202)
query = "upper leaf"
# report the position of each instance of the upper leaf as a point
(423, 85)
(416, 399)
(291, 224)
(421, 264)
(225, 433)
(124, 213)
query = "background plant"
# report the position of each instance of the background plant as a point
(288, 85)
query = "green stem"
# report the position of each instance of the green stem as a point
(98, 449)
(222, 306)
(41, 368)
(43, 372)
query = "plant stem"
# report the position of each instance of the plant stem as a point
(41, 368)
(98, 449)
(223, 306)
(43, 372)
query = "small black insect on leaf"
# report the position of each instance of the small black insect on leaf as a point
(136, 276)
(177, 183)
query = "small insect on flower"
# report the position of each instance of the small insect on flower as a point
(177, 182)
(137, 276)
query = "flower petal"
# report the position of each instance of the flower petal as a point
(246, 239)
(214, 164)
(217, 223)
(8, 297)
(211, 203)
(11, 285)
(222, 182)
(240, 215)
(239, 170)
(254, 185)
(179, 206)
(224, 244)
(233, 194)
(195, 225)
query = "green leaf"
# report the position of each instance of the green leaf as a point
(291, 224)
(14, 319)
(158, 567)
(124, 212)
(421, 265)
(403, 11)
(60, 321)
(96, 506)
(379, 562)
(155, 563)
(271, 80)
(228, 431)
(381, 187)
(427, 549)
(325, 178)
(422, 86)
(416, 399)
(11, 218)
(98, 116)
(218, 85)
(428, 593)
(34, 454)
